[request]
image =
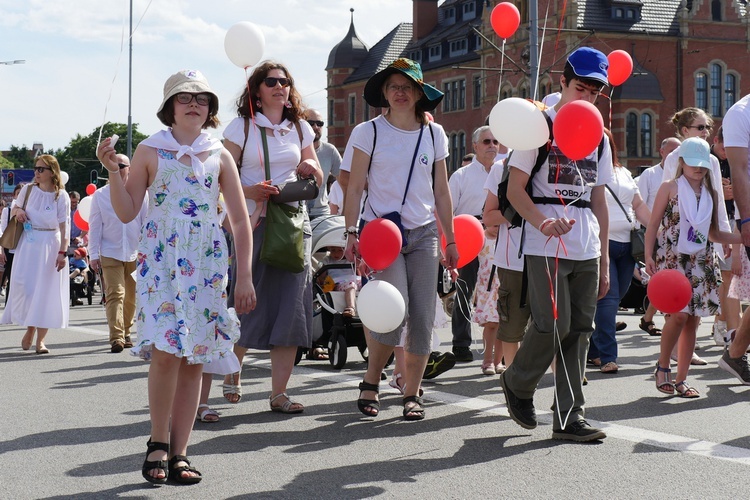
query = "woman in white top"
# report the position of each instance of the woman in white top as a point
(406, 174)
(39, 292)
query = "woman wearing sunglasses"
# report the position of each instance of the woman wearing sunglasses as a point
(39, 291)
(282, 322)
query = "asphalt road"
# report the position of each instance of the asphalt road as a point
(75, 424)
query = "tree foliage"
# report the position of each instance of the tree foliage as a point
(78, 159)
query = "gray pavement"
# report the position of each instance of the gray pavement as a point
(75, 424)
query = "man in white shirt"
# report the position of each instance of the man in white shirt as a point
(566, 251)
(736, 128)
(467, 193)
(113, 248)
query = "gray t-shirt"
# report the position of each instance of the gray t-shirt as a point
(330, 162)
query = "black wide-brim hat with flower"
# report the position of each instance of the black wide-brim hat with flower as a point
(413, 71)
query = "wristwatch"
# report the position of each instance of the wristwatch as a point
(350, 230)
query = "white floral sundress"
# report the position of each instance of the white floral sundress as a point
(182, 266)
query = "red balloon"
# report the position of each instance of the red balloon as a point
(82, 224)
(620, 67)
(469, 235)
(505, 19)
(380, 243)
(90, 189)
(578, 129)
(669, 291)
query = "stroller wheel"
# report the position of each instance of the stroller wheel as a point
(298, 357)
(337, 352)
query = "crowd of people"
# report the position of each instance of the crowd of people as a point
(544, 291)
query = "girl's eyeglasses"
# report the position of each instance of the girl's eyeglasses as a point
(701, 127)
(271, 81)
(201, 99)
(40, 170)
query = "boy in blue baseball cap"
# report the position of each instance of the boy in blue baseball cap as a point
(566, 205)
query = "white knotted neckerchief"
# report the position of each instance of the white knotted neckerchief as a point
(165, 140)
(695, 217)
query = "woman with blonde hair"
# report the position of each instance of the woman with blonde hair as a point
(39, 292)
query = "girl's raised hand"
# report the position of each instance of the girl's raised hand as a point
(107, 155)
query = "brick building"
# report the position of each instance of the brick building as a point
(685, 53)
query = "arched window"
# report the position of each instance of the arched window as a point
(701, 91)
(455, 159)
(461, 148)
(631, 134)
(716, 82)
(730, 91)
(716, 10)
(639, 135)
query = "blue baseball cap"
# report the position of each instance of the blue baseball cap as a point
(696, 152)
(589, 63)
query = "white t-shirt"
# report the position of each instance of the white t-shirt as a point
(284, 152)
(671, 163)
(508, 240)
(336, 197)
(649, 182)
(560, 176)
(466, 186)
(391, 163)
(736, 126)
(625, 188)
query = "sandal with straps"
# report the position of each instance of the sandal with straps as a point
(369, 407)
(664, 385)
(686, 391)
(149, 465)
(286, 406)
(416, 411)
(649, 327)
(175, 471)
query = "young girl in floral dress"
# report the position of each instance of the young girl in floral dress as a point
(183, 320)
(684, 218)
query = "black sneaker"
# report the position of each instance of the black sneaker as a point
(736, 366)
(521, 410)
(579, 431)
(439, 362)
(462, 354)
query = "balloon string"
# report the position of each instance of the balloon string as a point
(252, 118)
(539, 59)
(502, 62)
(611, 93)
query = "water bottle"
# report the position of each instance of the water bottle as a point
(28, 231)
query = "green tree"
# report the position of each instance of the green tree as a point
(21, 157)
(78, 159)
(6, 164)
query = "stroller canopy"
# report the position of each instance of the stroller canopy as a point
(328, 231)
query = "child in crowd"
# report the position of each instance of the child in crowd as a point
(183, 320)
(684, 218)
(78, 264)
(345, 280)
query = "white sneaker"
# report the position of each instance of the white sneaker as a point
(719, 332)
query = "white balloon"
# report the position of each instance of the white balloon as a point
(64, 177)
(84, 208)
(519, 124)
(244, 44)
(380, 306)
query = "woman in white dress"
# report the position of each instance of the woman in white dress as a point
(39, 292)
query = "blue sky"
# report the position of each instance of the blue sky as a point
(76, 56)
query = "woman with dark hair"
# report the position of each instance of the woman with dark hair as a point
(39, 292)
(270, 105)
(626, 209)
(401, 155)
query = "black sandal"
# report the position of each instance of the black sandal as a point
(371, 404)
(415, 412)
(149, 465)
(649, 327)
(175, 472)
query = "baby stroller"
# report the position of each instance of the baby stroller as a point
(636, 296)
(81, 286)
(331, 328)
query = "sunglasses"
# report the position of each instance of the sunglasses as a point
(316, 123)
(201, 99)
(487, 142)
(271, 81)
(40, 170)
(701, 127)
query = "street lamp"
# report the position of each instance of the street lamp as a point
(17, 61)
